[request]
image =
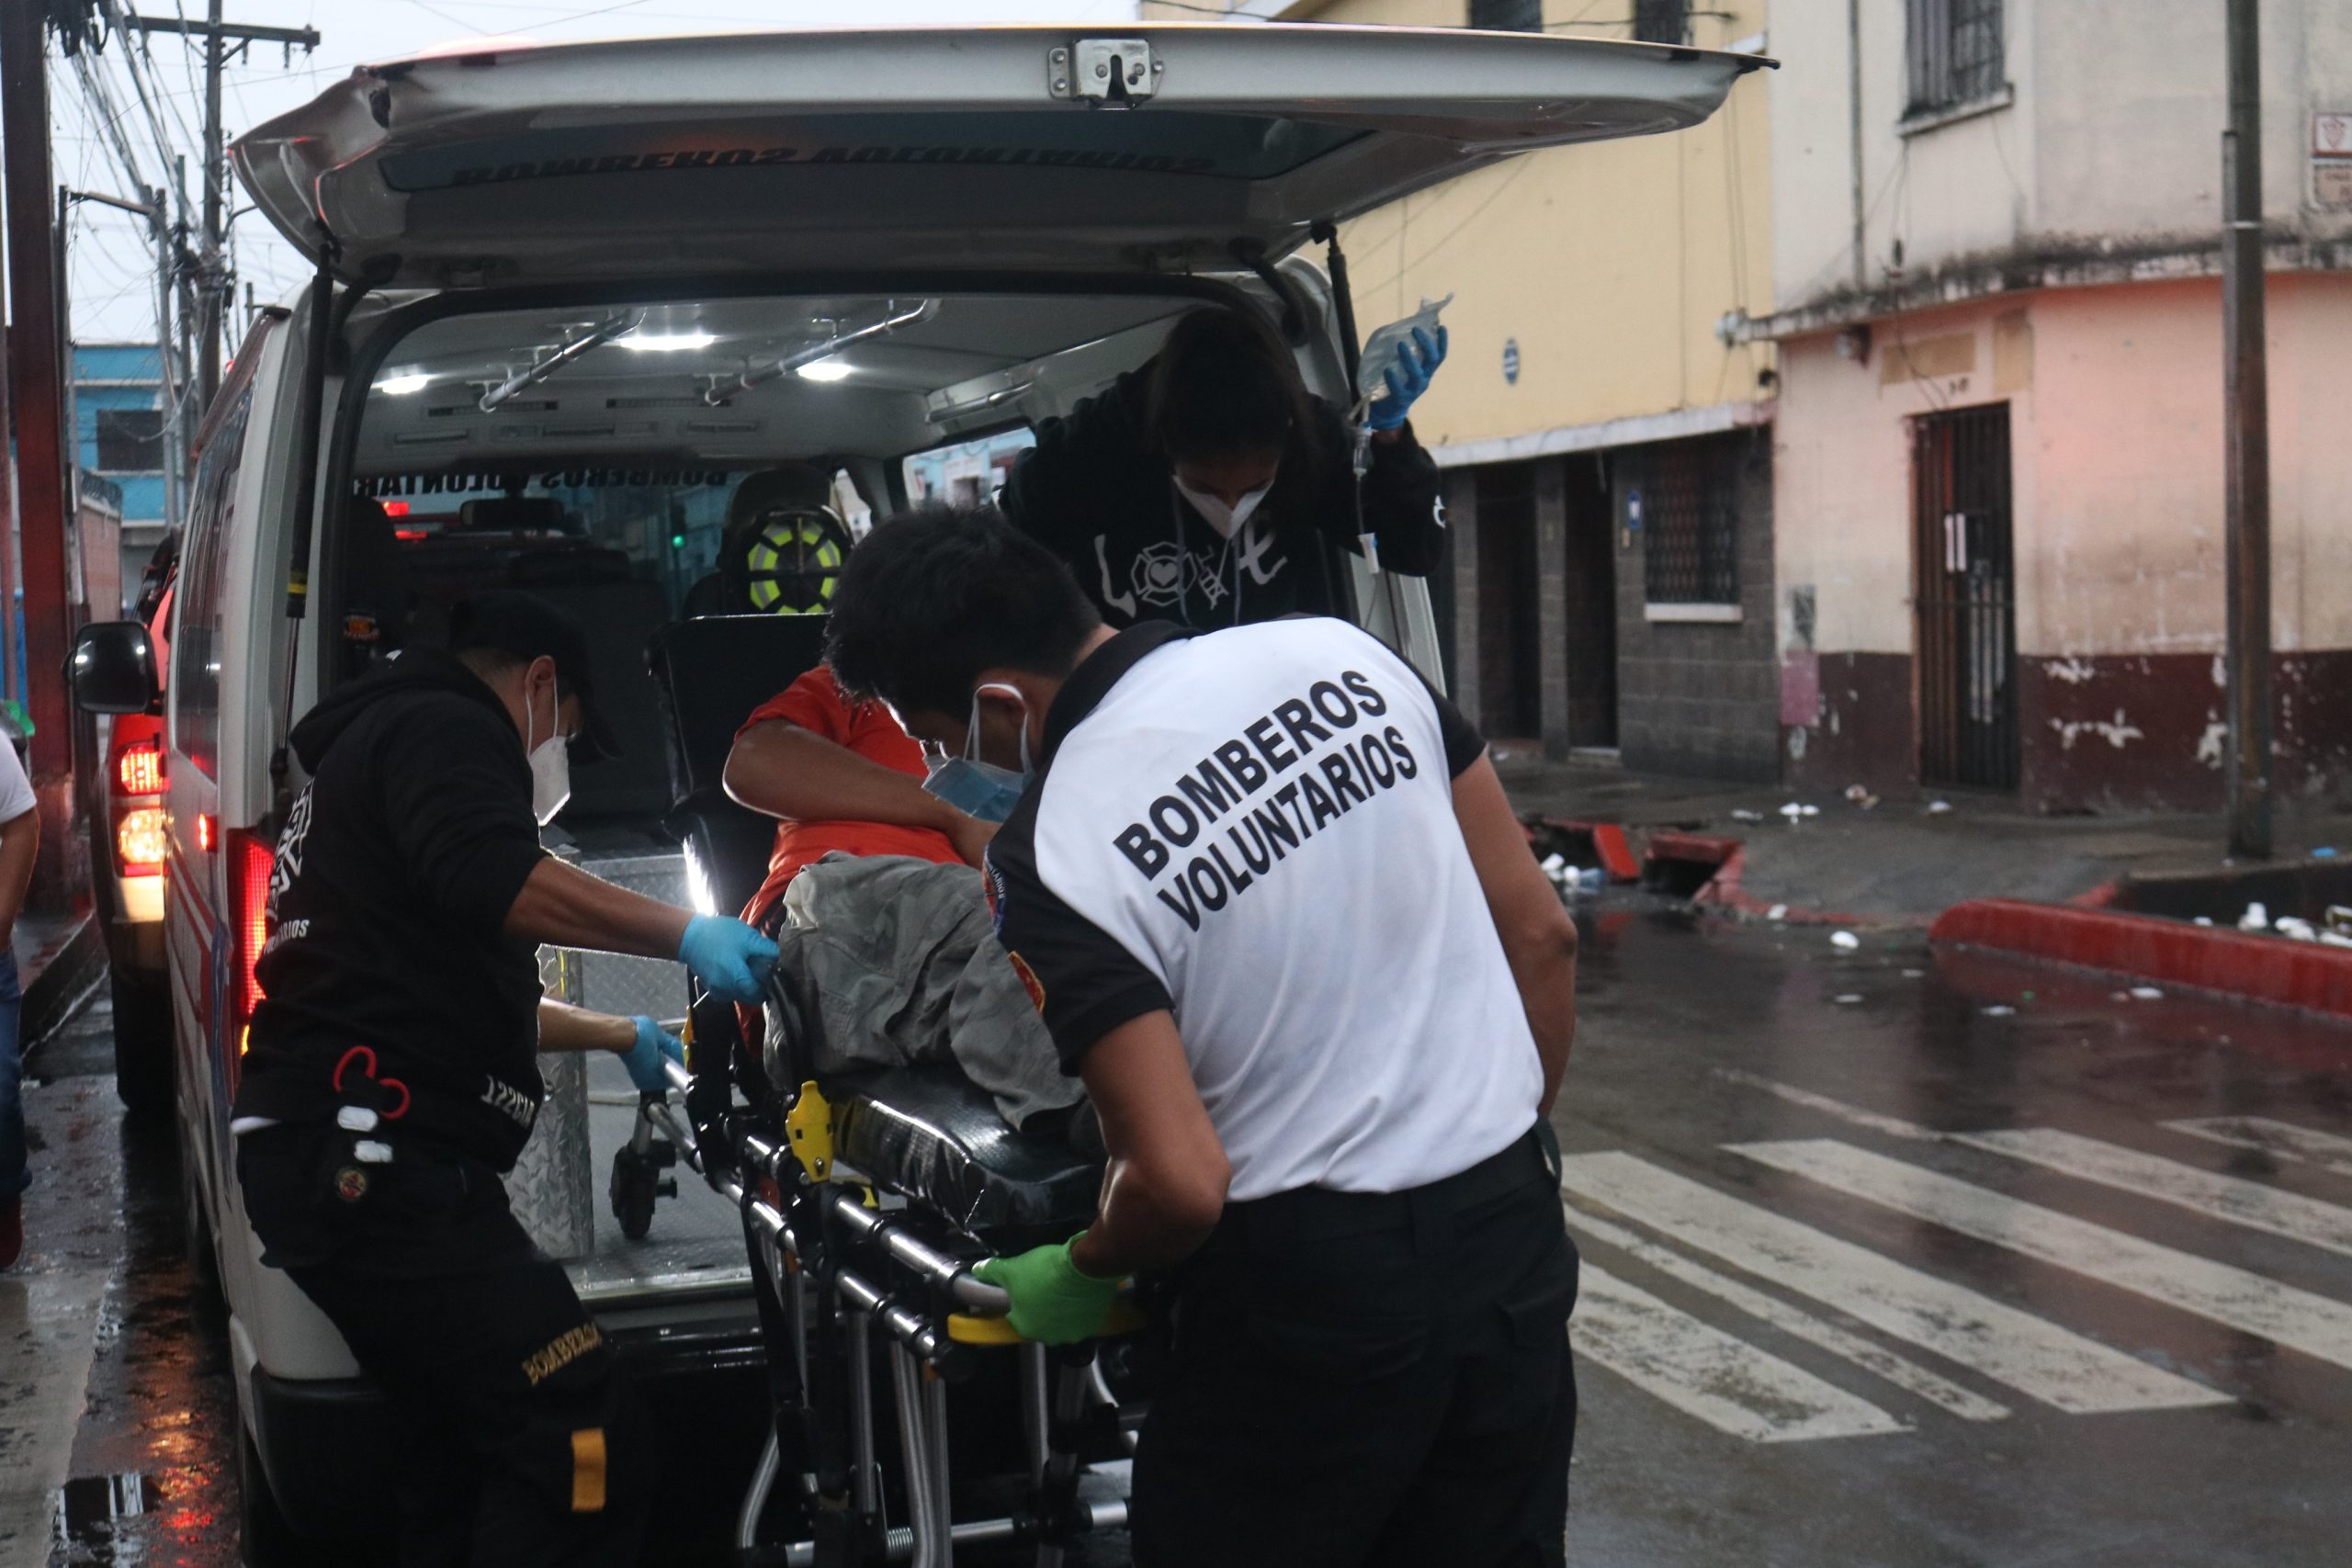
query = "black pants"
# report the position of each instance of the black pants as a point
(518, 1444)
(1361, 1379)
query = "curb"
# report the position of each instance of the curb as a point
(2204, 958)
(69, 972)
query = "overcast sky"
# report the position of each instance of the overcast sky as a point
(109, 269)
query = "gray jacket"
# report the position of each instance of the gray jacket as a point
(894, 961)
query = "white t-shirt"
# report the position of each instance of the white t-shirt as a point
(15, 790)
(1254, 828)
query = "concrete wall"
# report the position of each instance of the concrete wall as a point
(1700, 700)
(2110, 143)
(2115, 402)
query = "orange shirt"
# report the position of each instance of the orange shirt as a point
(814, 703)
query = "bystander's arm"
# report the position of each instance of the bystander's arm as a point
(19, 844)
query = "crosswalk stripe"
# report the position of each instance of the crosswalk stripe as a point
(2232, 1297)
(1702, 1371)
(2231, 1198)
(1908, 1376)
(2030, 1354)
(2283, 1139)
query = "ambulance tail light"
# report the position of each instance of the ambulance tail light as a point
(139, 841)
(140, 770)
(251, 865)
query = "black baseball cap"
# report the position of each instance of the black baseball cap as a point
(529, 628)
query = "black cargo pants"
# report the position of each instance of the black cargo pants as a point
(1370, 1379)
(519, 1449)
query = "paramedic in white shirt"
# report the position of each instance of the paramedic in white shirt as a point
(1265, 887)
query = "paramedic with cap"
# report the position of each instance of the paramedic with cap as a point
(390, 1082)
(1267, 891)
(1210, 487)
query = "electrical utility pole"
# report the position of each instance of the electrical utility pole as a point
(37, 388)
(213, 284)
(2246, 421)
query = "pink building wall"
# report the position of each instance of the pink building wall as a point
(2115, 404)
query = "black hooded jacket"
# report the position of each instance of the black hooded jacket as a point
(1095, 493)
(396, 870)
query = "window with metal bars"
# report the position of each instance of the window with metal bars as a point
(1691, 521)
(1508, 16)
(1955, 53)
(130, 441)
(1662, 21)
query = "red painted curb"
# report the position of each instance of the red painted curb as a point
(1608, 843)
(2260, 968)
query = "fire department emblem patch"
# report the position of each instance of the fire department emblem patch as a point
(351, 1184)
(1029, 981)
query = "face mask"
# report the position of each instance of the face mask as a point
(1226, 517)
(978, 789)
(550, 765)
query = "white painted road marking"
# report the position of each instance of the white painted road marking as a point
(1892, 1126)
(1702, 1371)
(2231, 1198)
(48, 1339)
(2283, 1139)
(2030, 1354)
(1906, 1375)
(2232, 1297)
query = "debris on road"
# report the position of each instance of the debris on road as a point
(1938, 807)
(1777, 913)
(1999, 1009)
(2147, 993)
(1793, 811)
(1845, 942)
(1742, 814)
(1848, 1000)
(2256, 919)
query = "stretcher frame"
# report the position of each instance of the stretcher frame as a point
(842, 1269)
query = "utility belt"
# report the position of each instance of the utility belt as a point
(380, 1121)
(1423, 1218)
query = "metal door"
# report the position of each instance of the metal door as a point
(1965, 588)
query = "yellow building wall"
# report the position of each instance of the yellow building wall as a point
(1610, 266)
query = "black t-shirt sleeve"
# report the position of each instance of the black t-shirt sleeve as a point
(457, 804)
(1463, 744)
(1084, 983)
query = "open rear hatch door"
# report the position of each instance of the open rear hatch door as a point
(973, 149)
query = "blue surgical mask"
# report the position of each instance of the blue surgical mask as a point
(978, 789)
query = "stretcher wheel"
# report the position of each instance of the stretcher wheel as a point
(639, 1183)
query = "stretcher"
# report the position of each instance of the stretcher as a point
(865, 1200)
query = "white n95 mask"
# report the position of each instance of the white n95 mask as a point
(550, 768)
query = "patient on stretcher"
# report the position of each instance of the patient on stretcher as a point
(873, 896)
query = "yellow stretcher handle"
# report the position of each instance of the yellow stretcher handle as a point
(1125, 1317)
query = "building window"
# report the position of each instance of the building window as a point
(1662, 21)
(1508, 16)
(1690, 521)
(130, 441)
(1955, 53)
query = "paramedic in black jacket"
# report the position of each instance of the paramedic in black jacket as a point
(390, 1080)
(1210, 487)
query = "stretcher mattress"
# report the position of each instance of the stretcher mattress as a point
(933, 1137)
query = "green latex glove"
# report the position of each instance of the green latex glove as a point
(1053, 1303)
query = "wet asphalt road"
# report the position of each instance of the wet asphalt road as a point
(1890, 1259)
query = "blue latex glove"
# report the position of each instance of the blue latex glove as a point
(644, 1058)
(1406, 380)
(729, 957)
